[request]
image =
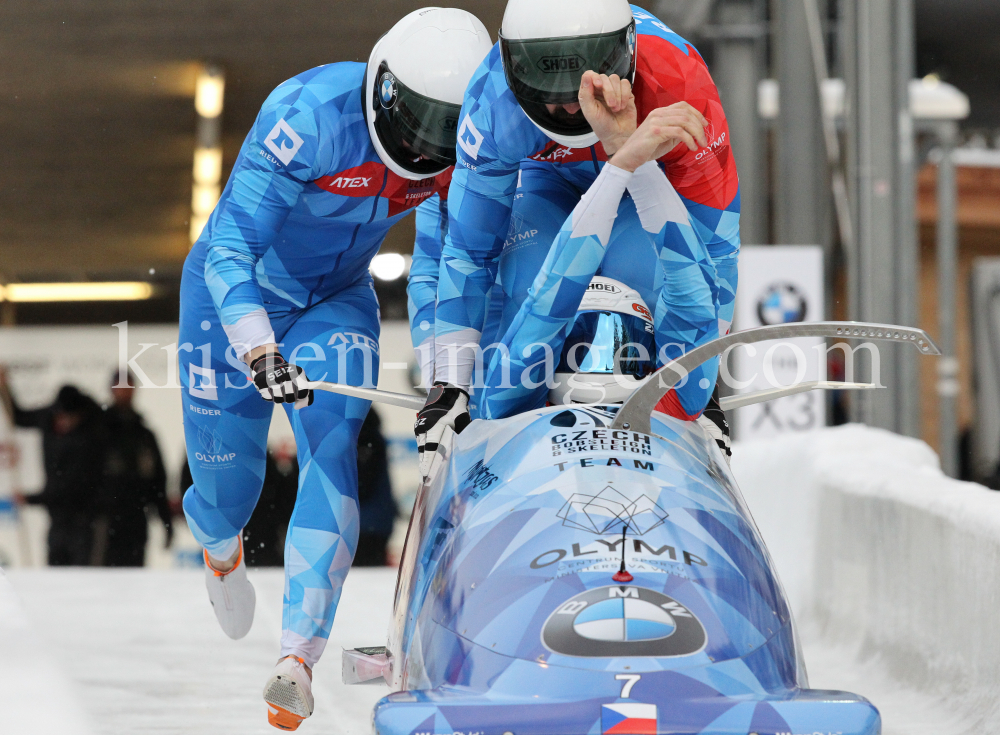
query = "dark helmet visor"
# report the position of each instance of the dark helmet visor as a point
(410, 125)
(547, 71)
(597, 338)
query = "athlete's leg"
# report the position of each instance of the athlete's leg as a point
(335, 340)
(225, 426)
(494, 316)
(541, 204)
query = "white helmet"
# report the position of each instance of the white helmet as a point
(547, 45)
(417, 75)
(610, 349)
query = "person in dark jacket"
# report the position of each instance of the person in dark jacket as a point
(264, 534)
(378, 508)
(134, 480)
(73, 448)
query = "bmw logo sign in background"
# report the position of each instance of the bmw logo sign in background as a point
(781, 303)
(621, 621)
(387, 90)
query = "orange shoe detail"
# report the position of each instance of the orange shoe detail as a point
(208, 560)
(282, 719)
(288, 702)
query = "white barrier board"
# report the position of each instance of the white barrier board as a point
(778, 284)
(891, 569)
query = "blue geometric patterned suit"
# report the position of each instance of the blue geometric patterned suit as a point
(284, 258)
(497, 141)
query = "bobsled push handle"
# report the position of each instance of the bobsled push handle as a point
(635, 413)
(751, 399)
(403, 400)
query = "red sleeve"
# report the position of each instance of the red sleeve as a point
(666, 75)
(442, 182)
(670, 404)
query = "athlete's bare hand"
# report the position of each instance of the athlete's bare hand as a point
(609, 106)
(663, 130)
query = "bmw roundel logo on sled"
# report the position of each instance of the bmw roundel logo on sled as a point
(387, 90)
(620, 621)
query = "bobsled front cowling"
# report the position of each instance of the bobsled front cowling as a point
(533, 515)
(512, 620)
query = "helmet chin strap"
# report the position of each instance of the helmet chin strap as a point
(574, 141)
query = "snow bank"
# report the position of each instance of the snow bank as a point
(885, 554)
(35, 696)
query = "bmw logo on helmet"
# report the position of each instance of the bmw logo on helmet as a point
(620, 621)
(631, 40)
(387, 90)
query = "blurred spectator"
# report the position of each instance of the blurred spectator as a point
(378, 508)
(73, 448)
(134, 480)
(264, 534)
(836, 370)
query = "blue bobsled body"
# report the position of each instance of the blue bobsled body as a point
(508, 620)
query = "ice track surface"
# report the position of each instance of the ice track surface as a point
(891, 567)
(142, 653)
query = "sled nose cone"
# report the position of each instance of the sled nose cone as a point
(447, 711)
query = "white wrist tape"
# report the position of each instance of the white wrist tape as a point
(455, 358)
(595, 213)
(656, 200)
(250, 331)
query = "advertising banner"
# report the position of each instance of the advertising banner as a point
(778, 284)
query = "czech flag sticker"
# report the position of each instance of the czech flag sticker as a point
(628, 719)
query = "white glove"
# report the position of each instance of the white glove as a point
(446, 406)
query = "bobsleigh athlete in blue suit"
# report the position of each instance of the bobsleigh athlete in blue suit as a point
(526, 155)
(337, 155)
(659, 255)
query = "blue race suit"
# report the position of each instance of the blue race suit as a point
(645, 241)
(484, 218)
(422, 283)
(284, 258)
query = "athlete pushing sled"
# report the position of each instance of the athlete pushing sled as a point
(337, 155)
(526, 155)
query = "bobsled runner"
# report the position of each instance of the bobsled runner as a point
(594, 570)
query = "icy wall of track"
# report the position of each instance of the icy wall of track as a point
(884, 554)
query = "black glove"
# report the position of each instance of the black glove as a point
(280, 382)
(446, 406)
(713, 421)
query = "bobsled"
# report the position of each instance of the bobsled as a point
(594, 570)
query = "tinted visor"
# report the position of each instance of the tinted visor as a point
(547, 71)
(597, 337)
(410, 125)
